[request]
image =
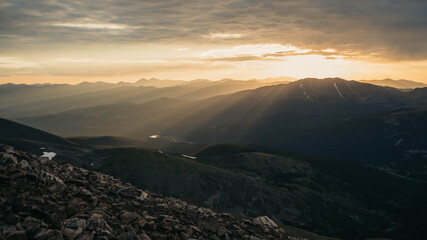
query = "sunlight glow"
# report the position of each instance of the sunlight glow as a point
(223, 35)
(92, 25)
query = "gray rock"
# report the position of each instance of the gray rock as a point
(71, 233)
(96, 222)
(129, 192)
(9, 158)
(49, 234)
(25, 165)
(264, 221)
(128, 217)
(75, 223)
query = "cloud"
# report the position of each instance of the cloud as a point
(224, 35)
(388, 29)
(97, 67)
(92, 25)
(251, 49)
(16, 63)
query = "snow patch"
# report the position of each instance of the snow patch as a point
(49, 155)
(155, 136)
(338, 90)
(303, 91)
(191, 157)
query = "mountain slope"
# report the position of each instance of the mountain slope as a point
(291, 189)
(321, 195)
(89, 205)
(38, 142)
(13, 130)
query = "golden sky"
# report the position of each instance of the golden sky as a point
(74, 41)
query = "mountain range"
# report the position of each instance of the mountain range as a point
(335, 157)
(374, 125)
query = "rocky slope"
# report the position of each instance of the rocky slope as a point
(42, 199)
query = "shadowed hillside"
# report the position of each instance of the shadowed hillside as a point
(322, 195)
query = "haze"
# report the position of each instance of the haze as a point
(74, 41)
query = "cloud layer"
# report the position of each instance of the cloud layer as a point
(230, 38)
(393, 29)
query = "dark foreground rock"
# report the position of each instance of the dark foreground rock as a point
(41, 199)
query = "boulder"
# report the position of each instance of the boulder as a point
(264, 221)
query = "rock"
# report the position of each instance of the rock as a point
(196, 229)
(128, 233)
(16, 235)
(144, 236)
(264, 221)
(49, 234)
(85, 192)
(96, 222)
(129, 192)
(43, 160)
(35, 203)
(51, 179)
(221, 232)
(18, 175)
(128, 217)
(3, 176)
(86, 236)
(142, 222)
(25, 165)
(31, 225)
(71, 233)
(143, 196)
(12, 218)
(75, 223)
(42, 215)
(205, 212)
(9, 159)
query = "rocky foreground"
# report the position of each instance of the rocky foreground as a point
(42, 199)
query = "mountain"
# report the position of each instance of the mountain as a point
(11, 130)
(35, 100)
(249, 104)
(41, 143)
(89, 205)
(322, 195)
(326, 117)
(400, 84)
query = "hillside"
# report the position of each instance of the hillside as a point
(88, 205)
(39, 142)
(291, 189)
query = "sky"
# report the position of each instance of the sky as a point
(125, 40)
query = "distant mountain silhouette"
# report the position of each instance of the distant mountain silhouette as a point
(401, 84)
(36, 100)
